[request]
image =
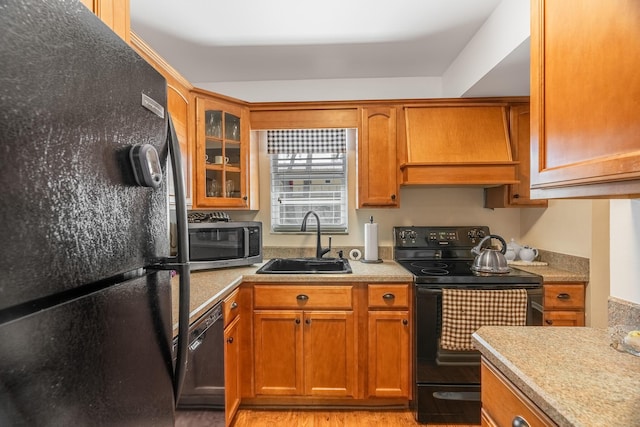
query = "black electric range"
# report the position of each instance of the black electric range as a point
(447, 383)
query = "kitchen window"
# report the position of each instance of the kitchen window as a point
(308, 172)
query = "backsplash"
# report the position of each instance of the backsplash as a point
(384, 252)
(574, 264)
(622, 312)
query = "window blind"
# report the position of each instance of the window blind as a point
(309, 178)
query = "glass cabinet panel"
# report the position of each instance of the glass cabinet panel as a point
(223, 156)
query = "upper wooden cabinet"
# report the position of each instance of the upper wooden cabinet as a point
(222, 155)
(516, 195)
(458, 143)
(377, 159)
(114, 13)
(585, 88)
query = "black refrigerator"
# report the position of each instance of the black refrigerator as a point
(85, 283)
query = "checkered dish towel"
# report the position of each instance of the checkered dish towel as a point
(464, 311)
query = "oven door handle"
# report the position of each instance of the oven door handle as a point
(427, 291)
(537, 306)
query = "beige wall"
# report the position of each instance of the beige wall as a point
(579, 228)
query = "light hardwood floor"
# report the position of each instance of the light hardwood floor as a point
(303, 418)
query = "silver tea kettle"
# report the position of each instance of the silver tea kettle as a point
(490, 261)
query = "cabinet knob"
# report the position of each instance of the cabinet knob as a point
(549, 322)
(307, 321)
(388, 297)
(516, 196)
(393, 197)
(302, 297)
(405, 322)
(518, 421)
(563, 296)
(234, 305)
(297, 321)
(230, 340)
(244, 198)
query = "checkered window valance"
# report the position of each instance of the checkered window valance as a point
(309, 141)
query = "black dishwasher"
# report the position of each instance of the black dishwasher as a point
(204, 381)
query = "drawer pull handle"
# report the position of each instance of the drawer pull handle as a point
(302, 297)
(230, 340)
(518, 421)
(388, 297)
(564, 296)
(234, 305)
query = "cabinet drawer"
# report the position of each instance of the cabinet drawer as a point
(559, 296)
(564, 318)
(231, 307)
(303, 297)
(503, 403)
(389, 296)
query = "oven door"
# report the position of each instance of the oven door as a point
(448, 382)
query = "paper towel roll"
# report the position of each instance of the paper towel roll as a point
(371, 242)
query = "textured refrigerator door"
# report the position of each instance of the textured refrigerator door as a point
(71, 108)
(60, 367)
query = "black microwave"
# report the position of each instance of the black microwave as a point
(224, 244)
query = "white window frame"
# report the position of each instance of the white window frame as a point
(302, 182)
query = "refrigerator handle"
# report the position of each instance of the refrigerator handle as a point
(182, 265)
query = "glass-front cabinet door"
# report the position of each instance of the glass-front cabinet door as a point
(221, 154)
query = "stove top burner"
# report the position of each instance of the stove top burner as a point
(441, 256)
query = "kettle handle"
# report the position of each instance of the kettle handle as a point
(477, 249)
(504, 244)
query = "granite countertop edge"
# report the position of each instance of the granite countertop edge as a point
(571, 373)
(522, 381)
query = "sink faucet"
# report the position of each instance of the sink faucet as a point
(319, 250)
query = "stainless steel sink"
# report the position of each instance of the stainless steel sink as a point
(306, 266)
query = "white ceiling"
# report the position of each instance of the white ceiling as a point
(237, 41)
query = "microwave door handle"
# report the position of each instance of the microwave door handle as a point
(246, 242)
(182, 260)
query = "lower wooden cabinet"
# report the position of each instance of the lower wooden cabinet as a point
(232, 387)
(564, 304)
(334, 343)
(389, 347)
(389, 344)
(504, 405)
(305, 353)
(231, 370)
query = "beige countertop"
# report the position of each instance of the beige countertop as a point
(552, 274)
(211, 286)
(572, 374)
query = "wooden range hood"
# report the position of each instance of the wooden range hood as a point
(458, 145)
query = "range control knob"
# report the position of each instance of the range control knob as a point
(476, 233)
(413, 234)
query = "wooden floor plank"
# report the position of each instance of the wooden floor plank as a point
(304, 418)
